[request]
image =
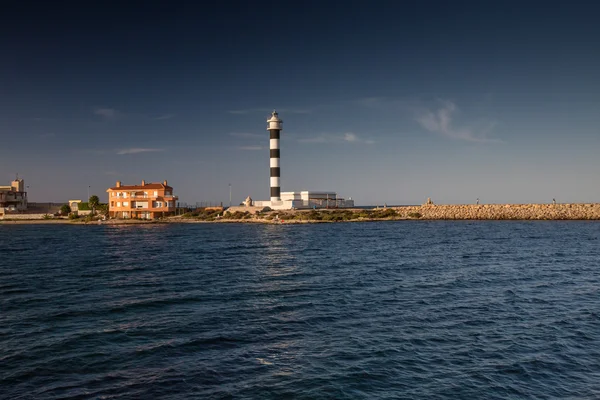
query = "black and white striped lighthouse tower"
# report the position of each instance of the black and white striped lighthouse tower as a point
(274, 129)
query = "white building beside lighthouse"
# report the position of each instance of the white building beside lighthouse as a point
(292, 200)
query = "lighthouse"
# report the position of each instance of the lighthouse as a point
(274, 128)
(279, 200)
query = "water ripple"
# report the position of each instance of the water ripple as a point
(436, 310)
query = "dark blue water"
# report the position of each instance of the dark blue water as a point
(410, 309)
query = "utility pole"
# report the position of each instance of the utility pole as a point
(88, 198)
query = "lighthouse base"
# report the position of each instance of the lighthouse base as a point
(306, 200)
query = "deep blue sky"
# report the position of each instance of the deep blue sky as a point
(381, 101)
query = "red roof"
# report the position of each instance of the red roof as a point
(140, 187)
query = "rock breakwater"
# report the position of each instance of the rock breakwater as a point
(503, 211)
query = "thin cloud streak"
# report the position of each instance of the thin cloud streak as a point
(348, 137)
(108, 113)
(441, 121)
(163, 117)
(268, 110)
(137, 150)
(248, 135)
(250, 148)
(317, 139)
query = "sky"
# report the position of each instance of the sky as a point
(382, 101)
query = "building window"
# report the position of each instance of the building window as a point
(125, 203)
(155, 193)
(118, 204)
(112, 203)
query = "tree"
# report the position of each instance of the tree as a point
(103, 209)
(65, 209)
(93, 202)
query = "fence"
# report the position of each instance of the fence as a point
(46, 208)
(183, 208)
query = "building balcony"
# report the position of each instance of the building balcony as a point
(169, 197)
(149, 207)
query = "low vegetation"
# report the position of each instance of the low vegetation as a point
(202, 214)
(320, 215)
(65, 209)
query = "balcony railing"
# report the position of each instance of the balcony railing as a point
(149, 207)
(145, 196)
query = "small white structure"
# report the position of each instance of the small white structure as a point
(307, 199)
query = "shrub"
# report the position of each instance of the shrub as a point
(414, 215)
(103, 208)
(47, 216)
(65, 209)
(387, 213)
(236, 215)
(73, 216)
(332, 216)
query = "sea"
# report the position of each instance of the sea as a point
(375, 310)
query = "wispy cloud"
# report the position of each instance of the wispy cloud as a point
(137, 150)
(248, 135)
(370, 101)
(165, 116)
(385, 103)
(315, 139)
(268, 110)
(108, 113)
(295, 110)
(348, 137)
(250, 148)
(442, 121)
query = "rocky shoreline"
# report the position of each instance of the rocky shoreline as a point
(523, 212)
(589, 211)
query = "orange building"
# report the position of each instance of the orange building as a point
(147, 201)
